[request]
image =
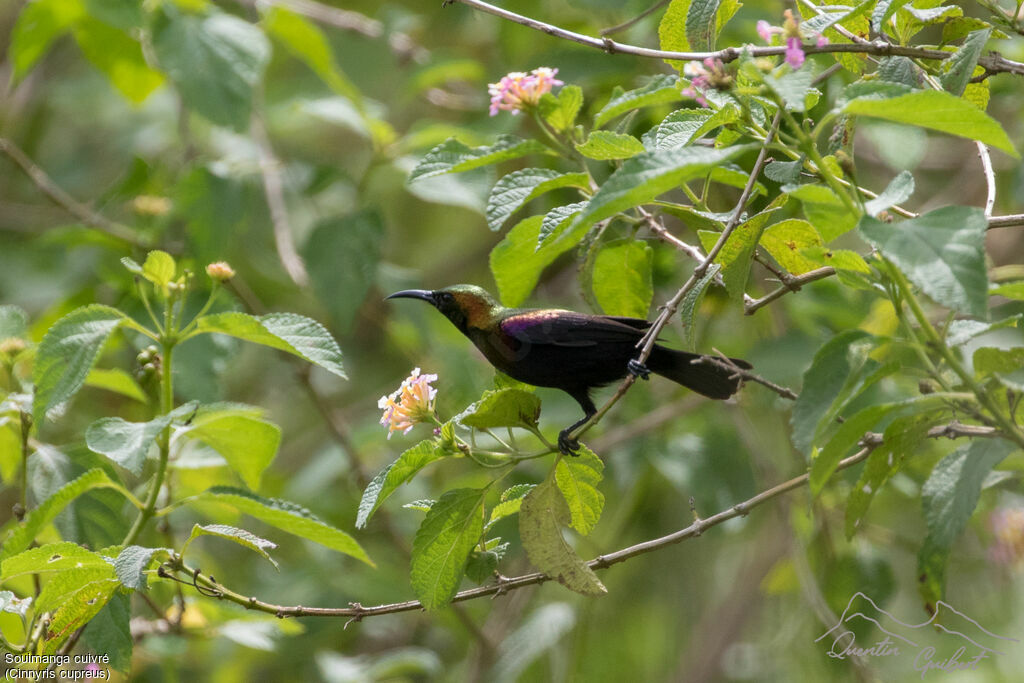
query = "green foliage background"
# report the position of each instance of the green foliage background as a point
(348, 116)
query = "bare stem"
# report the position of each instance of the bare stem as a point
(207, 585)
(994, 62)
(64, 200)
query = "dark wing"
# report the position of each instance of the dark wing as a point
(567, 328)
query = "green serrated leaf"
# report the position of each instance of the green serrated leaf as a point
(785, 241)
(117, 381)
(852, 430)
(63, 586)
(604, 145)
(127, 443)
(543, 514)
(509, 506)
(76, 610)
(514, 190)
(394, 475)
(577, 479)
(306, 41)
(824, 210)
(119, 56)
(958, 69)
(646, 176)
(793, 86)
(516, 262)
(840, 259)
(661, 89)
(690, 305)
(342, 255)
(951, 492)
(555, 221)
(133, 562)
(502, 408)
(901, 438)
(561, 111)
(623, 280)
(701, 21)
(287, 516)
(687, 20)
(109, 632)
(942, 252)
(37, 519)
(948, 499)
(52, 557)
(452, 156)
(66, 355)
(1006, 364)
(683, 126)
(38, 25)
(884, 9)
(441, 548)
(247, 442)
(296, 334)
(214, 60)
(896, 192)
(242, 537)
(939, 111)
(836, 374)
(738, 251)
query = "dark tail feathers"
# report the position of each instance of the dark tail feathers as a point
(710, 380)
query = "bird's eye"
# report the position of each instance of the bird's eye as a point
(447, 298)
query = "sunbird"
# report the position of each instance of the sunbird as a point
(574, 352)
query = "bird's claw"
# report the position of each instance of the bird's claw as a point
(566, 444)
(638, 369)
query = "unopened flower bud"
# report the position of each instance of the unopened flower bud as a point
(12, 346)
(148, 205)
(220, 271)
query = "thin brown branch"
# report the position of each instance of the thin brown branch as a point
(1008, 221)
(273, 188)
(793, 285)
(990, 178)
(210, 587)
(724, 362)
(58, 196)
(995, 62)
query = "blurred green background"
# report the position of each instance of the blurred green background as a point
(743, 602)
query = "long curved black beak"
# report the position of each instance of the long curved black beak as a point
(424, 294)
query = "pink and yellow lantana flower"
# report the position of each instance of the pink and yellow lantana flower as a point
(520, 91)
(1007, 527)
(412, 403)
(790, 30)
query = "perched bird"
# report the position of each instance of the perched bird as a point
(574, 352)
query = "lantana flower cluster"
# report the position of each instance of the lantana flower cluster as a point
(790, 31)
(521, 91)
(411, 403)
(1007, 527)
(711, 74)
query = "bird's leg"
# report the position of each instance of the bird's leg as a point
(638, 369)
(566, 444)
